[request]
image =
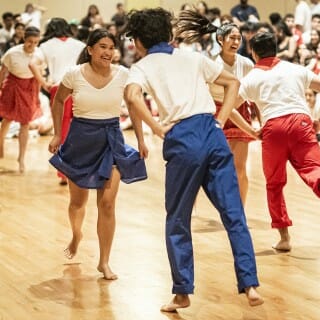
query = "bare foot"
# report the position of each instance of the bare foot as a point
(21, 166)
(254, 298)
(179, 301)
(107, 273)
(282, 245)
(72, 248)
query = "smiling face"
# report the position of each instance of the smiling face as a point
(310, 97)
(30, 43)
(314, 37)
(231, 42)
(102, 52)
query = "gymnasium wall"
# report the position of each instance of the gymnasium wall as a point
(76, 9)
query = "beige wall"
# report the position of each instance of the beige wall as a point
(70, 9)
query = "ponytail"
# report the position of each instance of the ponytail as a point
(191, 26)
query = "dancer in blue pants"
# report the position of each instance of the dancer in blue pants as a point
(195, 147)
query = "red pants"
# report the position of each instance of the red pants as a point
(292, 138)
(66, 119)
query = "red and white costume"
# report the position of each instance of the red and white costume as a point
(19, 98)
(278, 88)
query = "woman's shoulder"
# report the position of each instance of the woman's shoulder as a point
(18, 49)
(121, 70)
(73, 71)
(244, 60)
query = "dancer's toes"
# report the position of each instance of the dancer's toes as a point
(107, 272)
(72, 248)
(254, 298)
(21, 166)
(68, 254)
(178, 302)
(282, 245)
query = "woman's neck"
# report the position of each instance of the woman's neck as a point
(103, 71)
(230, 59)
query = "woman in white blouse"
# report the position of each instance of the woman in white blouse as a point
(94, 155)
(19, 91)
(229, 39)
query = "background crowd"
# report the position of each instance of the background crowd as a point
(298, 37)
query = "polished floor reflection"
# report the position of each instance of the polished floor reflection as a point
(37, 282)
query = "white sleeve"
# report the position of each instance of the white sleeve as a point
(68, 78)
(136, 75)
(6, 60)
(210, 69)
(299, 16)
(243, 90)
(309, 77)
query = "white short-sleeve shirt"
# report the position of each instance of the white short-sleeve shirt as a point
(239, 69)
(59, 55)
(92, 103)
(177, 82)
(32, 19)
(17, 61)
(302, 16)
(278, 91)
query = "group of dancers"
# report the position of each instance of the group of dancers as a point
(195, 95)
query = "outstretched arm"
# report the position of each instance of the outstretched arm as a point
(133, 95)
(3, 74)
(34, 66)
(57, 113)
(138, 109)
(231, 88)
(242, 124)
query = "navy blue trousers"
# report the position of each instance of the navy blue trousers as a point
(198, 155)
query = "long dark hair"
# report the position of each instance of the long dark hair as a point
(191, 26)
(93, 38)
(57, 27)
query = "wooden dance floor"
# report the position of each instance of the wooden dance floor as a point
(38, 283)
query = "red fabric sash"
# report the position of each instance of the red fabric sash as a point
(267, 63)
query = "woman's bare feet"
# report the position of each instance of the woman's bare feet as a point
(179, 301)
(284, 243)
(72, 248)
(107, 272)
(21, 165)
(254, 298)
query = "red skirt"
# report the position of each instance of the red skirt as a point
(19, 99)
(66, 119)
(231, 131)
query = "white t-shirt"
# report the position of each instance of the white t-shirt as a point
(279, 91)
(17, 61)
(6, 35)
(60, 55)
(302, 16)
(92, 103)
(32, 19)
(239, 69)
(315, 8)
(177, 82)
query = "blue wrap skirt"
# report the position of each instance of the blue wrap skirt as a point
(92, 148)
